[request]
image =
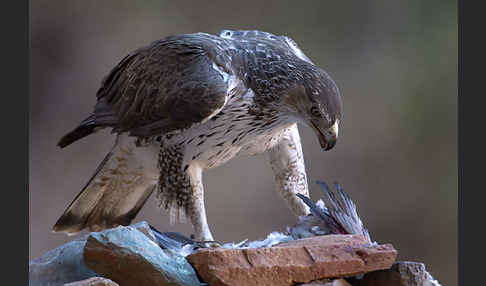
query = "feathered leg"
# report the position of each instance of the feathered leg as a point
(181, 191)
(287, 161)
(197, 211)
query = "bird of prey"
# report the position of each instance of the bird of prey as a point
(191, 102)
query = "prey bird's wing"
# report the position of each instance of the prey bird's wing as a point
(169, 85)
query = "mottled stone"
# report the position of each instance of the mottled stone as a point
(95, 281)
(402, 273)
(60, 265)
(128, 257)
(290, 263)
(65, 264)
(144, 228)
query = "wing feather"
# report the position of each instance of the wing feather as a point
(168, 85)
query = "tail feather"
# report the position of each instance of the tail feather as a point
(343, 209)
(338, 214)
(85, 128)
(113, 196)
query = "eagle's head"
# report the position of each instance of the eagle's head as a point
(316, 102)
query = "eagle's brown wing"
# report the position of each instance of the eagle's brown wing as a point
(168, 85)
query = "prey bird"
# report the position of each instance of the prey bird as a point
(191, 102)
(337, 216)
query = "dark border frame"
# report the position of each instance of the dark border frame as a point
(470, 141)
(15, 135)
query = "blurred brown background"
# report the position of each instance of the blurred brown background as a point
(394, 61)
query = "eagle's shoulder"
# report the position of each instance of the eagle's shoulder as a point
(268, 64)
(283, 43)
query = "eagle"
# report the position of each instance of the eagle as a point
(191, 102)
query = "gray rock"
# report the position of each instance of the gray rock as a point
(60, 265)
(144, 227)
(128, 257)
(65, 263)
(402, 273)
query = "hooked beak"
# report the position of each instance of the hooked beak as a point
(327, 138)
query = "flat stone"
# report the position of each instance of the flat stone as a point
(294, 262)
(402, 273)
(128, 257)
(95, 281)
(65, 263)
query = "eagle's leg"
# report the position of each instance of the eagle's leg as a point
(287, 161)
(181, 191)
(196, 210)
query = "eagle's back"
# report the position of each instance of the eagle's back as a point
(183, 80)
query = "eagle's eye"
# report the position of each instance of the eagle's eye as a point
(315, 112)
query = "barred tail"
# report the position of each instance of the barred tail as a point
(115, 193)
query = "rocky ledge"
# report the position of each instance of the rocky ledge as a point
(328, 247)
(135, 255)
